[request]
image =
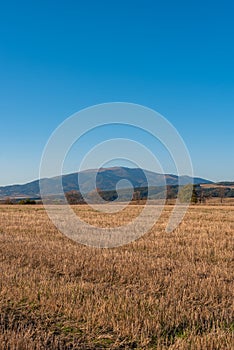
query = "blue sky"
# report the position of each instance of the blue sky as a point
(57, 57)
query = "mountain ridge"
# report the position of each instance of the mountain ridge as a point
(107, 179)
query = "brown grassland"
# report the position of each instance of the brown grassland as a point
(164, 291)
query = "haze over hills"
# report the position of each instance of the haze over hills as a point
(106, 180)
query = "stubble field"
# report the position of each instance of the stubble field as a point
(164, 291)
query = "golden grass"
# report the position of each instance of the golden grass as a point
(164, 291)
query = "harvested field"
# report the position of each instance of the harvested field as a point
(164, 291)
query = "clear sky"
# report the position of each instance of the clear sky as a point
(57, 57)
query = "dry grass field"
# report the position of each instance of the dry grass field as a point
(164, 291)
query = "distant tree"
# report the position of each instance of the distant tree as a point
(74, 197)
(222, 193)
(8, 201)
(188, 194)
(194, 197)
(230, 192)
(172, 191)
(201, 195)
(27, 201)
(108, 196)
(136, 196)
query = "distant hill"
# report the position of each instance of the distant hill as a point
(106, 180)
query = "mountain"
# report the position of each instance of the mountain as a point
(106, 180)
